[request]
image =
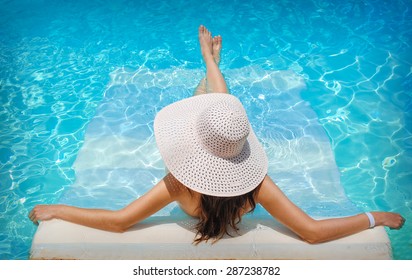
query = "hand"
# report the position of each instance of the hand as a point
(43, 213)
(391, 220)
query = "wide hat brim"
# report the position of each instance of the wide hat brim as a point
(195, 167)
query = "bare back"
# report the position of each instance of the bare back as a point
(188, 200)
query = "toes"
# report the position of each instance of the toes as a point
(207, 32)
(215, 40)
(201, 29)
(204, 31)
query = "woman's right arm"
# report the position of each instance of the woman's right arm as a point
(117, 221)
(317, 231)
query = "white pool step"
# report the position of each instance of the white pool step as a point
(161, 238)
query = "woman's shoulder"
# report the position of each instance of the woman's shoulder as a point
(187, 199)
(268, 190)
(175, 187)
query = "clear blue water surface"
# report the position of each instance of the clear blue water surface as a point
(56, 58)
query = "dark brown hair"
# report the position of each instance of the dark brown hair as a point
(217, 213)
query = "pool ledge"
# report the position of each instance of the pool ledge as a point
(165, 239)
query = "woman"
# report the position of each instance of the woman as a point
(218, 171)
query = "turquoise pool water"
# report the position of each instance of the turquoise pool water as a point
(56, 59)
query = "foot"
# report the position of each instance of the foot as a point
(206, 43)
(217, 46)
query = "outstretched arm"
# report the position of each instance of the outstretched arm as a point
(313, 231)
(117, 221)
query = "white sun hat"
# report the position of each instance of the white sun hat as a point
(208, 144)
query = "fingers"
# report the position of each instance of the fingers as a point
(399, 222)
(403, 220)
(32, 216)
(40, 213)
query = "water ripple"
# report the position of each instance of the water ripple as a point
(56, 58)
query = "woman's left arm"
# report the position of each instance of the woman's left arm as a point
(316, 231)
(117, 221)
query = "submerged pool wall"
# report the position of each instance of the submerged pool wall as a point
(119, 162)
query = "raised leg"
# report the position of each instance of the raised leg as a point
(211, 55)
(202, 87)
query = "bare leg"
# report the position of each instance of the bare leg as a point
(201, 87)
(214, 78)
(217, 47)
